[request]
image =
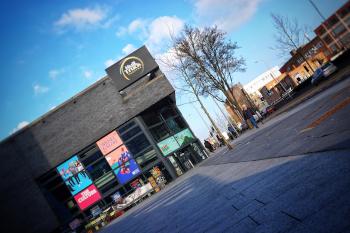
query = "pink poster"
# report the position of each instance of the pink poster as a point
(87, 197)
(117, 157)
(109, 142)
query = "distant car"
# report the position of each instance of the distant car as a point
(328, 69)
(323, 72)
(268, 110)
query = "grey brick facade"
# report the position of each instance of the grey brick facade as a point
(58, 135)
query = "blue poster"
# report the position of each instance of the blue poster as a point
(127, 171)
(74, 175)
(70, 167)
(78, 182)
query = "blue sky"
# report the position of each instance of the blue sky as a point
(51, 50)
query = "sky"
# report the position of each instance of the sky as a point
(52, 50)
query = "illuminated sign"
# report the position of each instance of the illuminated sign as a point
(168, 145)
(132, 68)
(184, 137)
(87, 197)
(109, 142)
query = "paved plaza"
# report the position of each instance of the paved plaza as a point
(292, 175)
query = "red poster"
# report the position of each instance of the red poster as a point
(87, 197)
(109, 142)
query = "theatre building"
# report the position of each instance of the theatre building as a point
(120, 137)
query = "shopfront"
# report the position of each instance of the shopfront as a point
(109, 147)
(150, 150)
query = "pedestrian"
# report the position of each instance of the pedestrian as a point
(248, 114)
(208, 145)
(233, 133)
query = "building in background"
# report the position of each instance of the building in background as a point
(119, 137)
(242, 98)
(297, 68)
(335, 31)
(253, 87)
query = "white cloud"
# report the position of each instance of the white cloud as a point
(227, 14)
(19, 126)
(128, 49)
(162, 29)
(154, 33)
(82, 19)
(137, 25)
(121, 31)
(87, 74)
(39, 89)
(54, 73)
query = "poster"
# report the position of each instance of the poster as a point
(70, 167)
(78, 182)
(168, 145)
(119, 156)
(74, 175)
(87, 197)
(109, 142)
(184, 137)
(127, 171)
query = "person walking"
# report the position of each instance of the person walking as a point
(248, 114)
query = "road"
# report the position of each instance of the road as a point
(291, 175)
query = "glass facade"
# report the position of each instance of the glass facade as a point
(128, 158)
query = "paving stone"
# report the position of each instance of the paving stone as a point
(250, 208)
(246, 225)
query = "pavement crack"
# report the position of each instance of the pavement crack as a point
(253, 220)
(291, 216)
(261, 202)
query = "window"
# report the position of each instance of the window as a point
(126, 126)
(105, 179)
(332, 21)
(327, 39)
(344, 12)
(108, 186)
(168, 112)
(160, 132)
(151, 118)
(90, 156)
(147, 157)
(321, 30)
(98, 169)
(346, 39)
(334, 48)
(176, 124)
(347, 21)
(129, 134)
(338, 30)
(137, 144)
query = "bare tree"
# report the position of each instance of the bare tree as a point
(289, 35)
(184, 70)
(212, 61)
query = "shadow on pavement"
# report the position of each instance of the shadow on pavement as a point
(297, 194)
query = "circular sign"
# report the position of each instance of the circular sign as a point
(131, 67)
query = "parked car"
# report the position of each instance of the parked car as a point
(268, 110)
(323, 72)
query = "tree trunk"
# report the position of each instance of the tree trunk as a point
(213, 123)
